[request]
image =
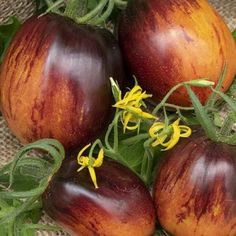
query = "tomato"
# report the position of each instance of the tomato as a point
(121, 205)
(195, 189)
(167, 42)
(55, 80)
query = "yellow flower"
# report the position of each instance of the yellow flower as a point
(172, 133)
(131, 104)
(90, 163)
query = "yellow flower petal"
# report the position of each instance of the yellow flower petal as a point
(98, 162)
(81, 168)
(131, 104)
(155, 128)
(160, 132)
(93, 176)
(139, 112)
(176, 123)
(134, 127)
(174, 137)
(185, 131)
(126, 119)
(82, 150)
(159, 141)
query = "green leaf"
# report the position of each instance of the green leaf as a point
(201, 114)
(6, 34)
(132, 154)
(210, 103)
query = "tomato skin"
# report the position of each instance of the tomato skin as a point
(166, 42)
(55, 80)
(121, 205)
(195, 189)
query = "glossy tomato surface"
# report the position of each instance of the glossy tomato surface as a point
(55, 80)
(121, 205)
(195, 189)
(165, 42)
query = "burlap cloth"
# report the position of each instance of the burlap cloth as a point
(9, 145)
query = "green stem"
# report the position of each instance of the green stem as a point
(146, 162)
(116, 134)
(144, 167)
(92, 13)
(149, 167)
(178, 107)
(54, 7)
(113, 126)
(97, 142)
(121, 4)
(49, 2)
(181, 116)
(107, 135)
(105, 15)
(164, 100)
(11, 228)
(166, 119)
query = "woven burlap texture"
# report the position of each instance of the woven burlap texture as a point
(9, 145)
(22, 9)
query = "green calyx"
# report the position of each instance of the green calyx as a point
(91, 12)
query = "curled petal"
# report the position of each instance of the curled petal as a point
(134, 93)
(159, 141)
(131, 104)
(82, 150)
(133, 127)
(129, 118)
(157, 126)
(160, 132)
(185, 131)
(98, 162)
(174, 138)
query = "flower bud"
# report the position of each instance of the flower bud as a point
(200, 83)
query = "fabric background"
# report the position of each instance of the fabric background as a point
(9, 145)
